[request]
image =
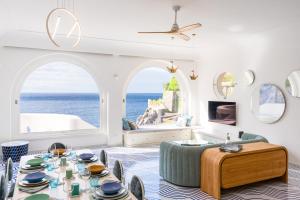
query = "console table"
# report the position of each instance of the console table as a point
(256, 162)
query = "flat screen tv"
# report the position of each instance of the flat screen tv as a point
(222, 112)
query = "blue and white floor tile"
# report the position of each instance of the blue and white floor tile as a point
(144, 163)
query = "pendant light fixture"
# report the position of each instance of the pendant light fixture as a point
(172, 69)
(62, 25)
(193, 76)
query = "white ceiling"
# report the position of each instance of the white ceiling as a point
(121, 19)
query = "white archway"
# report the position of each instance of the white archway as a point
(34, 64)
(162, 64)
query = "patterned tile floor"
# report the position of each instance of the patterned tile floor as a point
(144, 163)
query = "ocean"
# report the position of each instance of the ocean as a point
(86, 106)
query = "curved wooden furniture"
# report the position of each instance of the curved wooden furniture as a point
(256, 162)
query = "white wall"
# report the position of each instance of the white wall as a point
(15, 63)
(272, 55)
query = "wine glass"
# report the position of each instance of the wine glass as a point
(67, 186)
(55, 156)
(69, 151)
(94, 182)
(85, 175)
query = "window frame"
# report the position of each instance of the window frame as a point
(16, 92)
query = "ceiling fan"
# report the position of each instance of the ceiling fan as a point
(176, 30)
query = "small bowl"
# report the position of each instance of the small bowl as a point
(96, 169)
(111, 188)
(35, 177)
(86, 156)
(35, 162)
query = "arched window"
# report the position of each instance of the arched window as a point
(153, 97)
(59, 96)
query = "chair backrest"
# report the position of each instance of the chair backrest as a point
(104, 158)
(9, 169)
(3, 187)
(119, 171)
(56, 145)
(137, 188)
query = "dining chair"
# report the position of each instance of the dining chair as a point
(118, 171)
(137, 188)
(9, 176)
(56, 145)
(3, 188)
(104, 158)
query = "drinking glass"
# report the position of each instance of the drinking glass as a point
(80, 167)
(67, 186)
(55, 156)
(50, 166)
(69, 151)
(85, 175)
(94, 182)
(53, 180)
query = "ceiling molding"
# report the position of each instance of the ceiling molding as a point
(36, 40)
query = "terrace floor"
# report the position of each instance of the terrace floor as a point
(144, 162)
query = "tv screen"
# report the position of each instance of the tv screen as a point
(222, 112)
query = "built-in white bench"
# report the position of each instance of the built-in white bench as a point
(154, 135)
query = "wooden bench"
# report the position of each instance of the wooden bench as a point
(256, 162)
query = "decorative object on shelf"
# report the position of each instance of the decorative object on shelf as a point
(63, 26)
(172, 69)
(193, 76)
(224, 84)
(227, 139)
(232, 148)
(241, 133)
(249, 77)
(292, 83)
(177, 31)
(268, 103)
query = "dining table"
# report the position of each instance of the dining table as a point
(59, 192)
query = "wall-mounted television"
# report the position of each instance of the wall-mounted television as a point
(222, 112)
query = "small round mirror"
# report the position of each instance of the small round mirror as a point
(249, 77)
(268, 103)
(292, 83)
(224, 84)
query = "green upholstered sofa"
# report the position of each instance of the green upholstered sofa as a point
(180, 164)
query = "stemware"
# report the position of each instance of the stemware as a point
(53, 180)
(55, 156)
(94, 182)
(85, 175)
(67, 186)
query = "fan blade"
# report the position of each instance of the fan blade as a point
(189, 27)
(163, 32)
(183, 36)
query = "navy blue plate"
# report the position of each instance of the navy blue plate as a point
(86, 156)
(35, 177)
(111, 188)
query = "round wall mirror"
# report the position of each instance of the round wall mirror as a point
(268, 103)
(224, 84)
(292, 83)
(249, 77)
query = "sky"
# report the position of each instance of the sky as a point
(149, 80)
(59, 77)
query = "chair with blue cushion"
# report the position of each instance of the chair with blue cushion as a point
(137, 188)
(118, 171)
(104, 158)
(3, 187)
(9, 176)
